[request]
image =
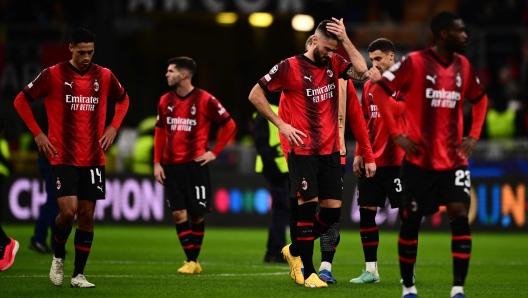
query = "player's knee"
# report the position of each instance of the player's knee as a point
(179, 216)
(330, 216)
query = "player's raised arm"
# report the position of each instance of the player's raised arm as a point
(359, 65)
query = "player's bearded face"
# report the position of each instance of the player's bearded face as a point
(456, 39)
(173, 76)
(324, 49)
(381, 60)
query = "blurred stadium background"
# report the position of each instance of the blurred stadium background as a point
(136, 37)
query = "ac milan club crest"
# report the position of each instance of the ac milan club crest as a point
(58, 183)
(329, 73)
(304, 184)
(96, 86)
(193, 109)
(414, 206)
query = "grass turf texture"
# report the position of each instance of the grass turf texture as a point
(140, 261)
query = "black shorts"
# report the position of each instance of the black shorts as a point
(374, 191)
(315, 176)
(424, 191)
(188, 187)
(86, 183)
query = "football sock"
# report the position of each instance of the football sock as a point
(4, 240)
(198, 235)
(407, 248)
(455, 290)
(305, 236)
(460, 248)
(329, 241)
(294, 217)
(185, 236)
(409, 290)
(369, 233)
(325, 266)
(82, 243)
(324, 219)
(60, 238)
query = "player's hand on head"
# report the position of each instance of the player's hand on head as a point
(159, 174)
(467, 147)
(338, 28)
(205, 158)
(373, 74)
(370, 169)
(108, 137)
(45, 148)
(292, 134)
(409, 146)
(359, 163)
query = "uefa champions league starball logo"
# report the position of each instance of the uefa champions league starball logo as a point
(58, 183)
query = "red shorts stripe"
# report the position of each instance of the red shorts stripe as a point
(60, 242)
(370, 243)
(188, 246)
(184, 233)
(407, 242)
(321, 222)
(305, 238)
(198, 246)
(461, 237)
(198, 233)
(368, 230)
(459, 255)
(304, 224)
(83, 248)
(405, 260)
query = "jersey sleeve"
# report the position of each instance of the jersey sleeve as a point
(160, 118)
(117, 92)
(475, 89)
(398, 76)
(39, 87)
(277, 78)
(364, 102)
(343, 65)
(215, 111)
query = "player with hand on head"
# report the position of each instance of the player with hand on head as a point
(309, 84)
(434, 82)
(75, 94)
(181, 154)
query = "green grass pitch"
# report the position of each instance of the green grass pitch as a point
(141, 261)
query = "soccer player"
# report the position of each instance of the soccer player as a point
(434, 82)
(181, 154)
(374, 191)
(75, 94)
(8, 246)
(309, 83)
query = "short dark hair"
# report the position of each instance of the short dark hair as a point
(322, 29)
(384, 45)
(81, 35)
(443, 21)
(184, 62)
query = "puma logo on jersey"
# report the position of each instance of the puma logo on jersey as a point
(170, 108)
(430, 78)
(308, 78)
(202, 203)
(69, 84)
(100, 188)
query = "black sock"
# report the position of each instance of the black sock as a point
(461, 249)
(4, 240)
(294, 218)
(83, 244)
(408, 248)
(60, 237)
(369, 234)
(329, 241)
(324, 219)
(198, 235)
(185, 236)
(305, 236)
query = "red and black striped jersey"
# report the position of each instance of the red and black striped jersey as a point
(311, 93)
(187, 121)
(386, 152)
(76, 108)
(434, 92)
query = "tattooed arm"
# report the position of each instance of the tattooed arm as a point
(359, 65)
